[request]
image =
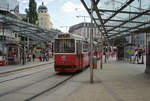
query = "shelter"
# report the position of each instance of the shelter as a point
(118, 19)
(32, 34)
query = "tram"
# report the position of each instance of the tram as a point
(71, 53)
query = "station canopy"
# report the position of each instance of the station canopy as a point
(119, 18)
(27, 30)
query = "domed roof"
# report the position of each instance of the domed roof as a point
(42, 7)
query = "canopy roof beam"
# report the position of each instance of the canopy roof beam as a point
(88, 10)
(130, 20)
(120, 26)
(124, 12)
(124, 6)
(128, 29)
(114, 20)
(100, 18)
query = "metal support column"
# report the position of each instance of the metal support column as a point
(3, 43)
(28, 45)
(147, 70)
(101, 53)
(91, 45)
(24, 53)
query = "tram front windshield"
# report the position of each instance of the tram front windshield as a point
(64, 45)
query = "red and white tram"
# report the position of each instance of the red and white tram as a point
(71, 53)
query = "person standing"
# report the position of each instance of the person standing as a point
(136, 56)
(105, 54)
(33, 56)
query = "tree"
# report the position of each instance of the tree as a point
(32, 12)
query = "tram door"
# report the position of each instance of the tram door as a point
(79, 52)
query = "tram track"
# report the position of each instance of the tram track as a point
(49, 89)
(25, 86)
(55, 80)
(24, 75)
(18, 77)
(24, 68)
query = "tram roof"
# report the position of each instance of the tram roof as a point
(70, 35)
(26, 29)
(119, 18)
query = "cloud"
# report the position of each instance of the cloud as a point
(70, 7)
(24, 1)
(45, 2)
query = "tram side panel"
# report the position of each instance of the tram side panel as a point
(66, 62)
(85, 59)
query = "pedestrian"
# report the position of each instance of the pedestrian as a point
(136, 56)
(105, 54)
(33, 56)
(44, 57)
(140, 57)
(40, 58)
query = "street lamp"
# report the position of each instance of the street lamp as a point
(83, 17)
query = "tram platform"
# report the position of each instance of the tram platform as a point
(9, 68)
(117, 81)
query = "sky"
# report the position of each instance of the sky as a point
(63, 13)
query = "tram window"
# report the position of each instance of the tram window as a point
(79, 47)
(85, 47)
(64, 45)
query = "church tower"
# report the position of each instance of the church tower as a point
(43, 17)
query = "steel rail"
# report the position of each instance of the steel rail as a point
(25, 86)
(20, 69)
(49, 89)
(18, 77)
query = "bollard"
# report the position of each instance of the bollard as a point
(94, 62)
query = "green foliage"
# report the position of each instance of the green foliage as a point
(24, 19)
(32, 12)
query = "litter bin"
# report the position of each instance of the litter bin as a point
(94, 62)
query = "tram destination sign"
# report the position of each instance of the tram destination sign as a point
(64, 36)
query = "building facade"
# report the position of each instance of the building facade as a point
(137, 39)
(43, 17)
(84, 30)
(9, 47)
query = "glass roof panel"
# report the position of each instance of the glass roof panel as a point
(118, 15)
(98, 22)
(88, 3)
(26, 29)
